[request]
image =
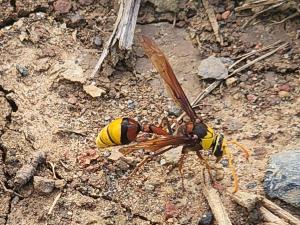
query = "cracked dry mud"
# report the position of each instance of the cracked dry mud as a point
(48, 110)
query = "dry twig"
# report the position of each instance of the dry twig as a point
(123, 30)
(9, 190)
(280, 212)
(54, 203)
(261, 12)
(271, 212)
(214, 201)
(213, 21)
(257, 3)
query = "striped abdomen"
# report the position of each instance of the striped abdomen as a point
(119, 132)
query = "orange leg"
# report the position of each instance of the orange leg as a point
(233, 171)
(206, 164)
(244, 149)
(148, 159)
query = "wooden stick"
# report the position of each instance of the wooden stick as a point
(54, 203)
(260, 12)
(213, 21)
(214, 201)
(257, 4)
(272, 212)
(123, 30)
(280, 212)
(270, 217)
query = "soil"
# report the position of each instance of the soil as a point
(48, 50)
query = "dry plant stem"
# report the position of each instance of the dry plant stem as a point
(53, 169)
(288, 18)
(123, 30)
(258, 4)
(213, 20)
(243, 57)
(270, 217)
(260, 12)
(9, 190)
(280, 212)
(215, 84)
(215, 202)
(54, 203)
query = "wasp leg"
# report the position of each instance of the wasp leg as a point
(244, 149)
(148, 159)
(180, 163)
(206, 164)
(233, 171)
(165, 122)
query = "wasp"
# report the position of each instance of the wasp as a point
(194, 135)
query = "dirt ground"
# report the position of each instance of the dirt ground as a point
(47, 55)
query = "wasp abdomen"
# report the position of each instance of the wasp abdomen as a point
(118, 132)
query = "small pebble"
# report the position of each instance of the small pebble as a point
(283, 94)
(225, 15)
(107, 118)
(98, 41)
(206, 219)
(22, 70)
(251, 185)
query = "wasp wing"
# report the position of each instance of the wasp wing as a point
(162, 65)
(158, 143)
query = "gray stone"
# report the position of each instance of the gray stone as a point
(206, 218)
(43, 185)
(212, 68)
(282, 179)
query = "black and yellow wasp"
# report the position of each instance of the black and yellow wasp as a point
(195, 135)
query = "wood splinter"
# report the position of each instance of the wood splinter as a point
(272, 213)
(215, 203)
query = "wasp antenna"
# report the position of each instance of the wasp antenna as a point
(243, 148)
(232, 168)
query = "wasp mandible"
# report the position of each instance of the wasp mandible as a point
(195, 135)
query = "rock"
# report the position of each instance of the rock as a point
(173, 155)
(165, 6)
(76, 20)
(71, 71)
(283, 94)
(206, 218)
(98, 41)
(93, 90)
(213, 68)
(62, 6)
(130, 104)
(87, 157)
(230, 81)
(174, 110)
(284, 87)
(170, 210)
(225, 15)
(107, 118)
(220, 175)
(60, 183)
(115, 154)
(251, 185)
(252, 98)
(282, 178)
(22, 70)
(43, 185)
